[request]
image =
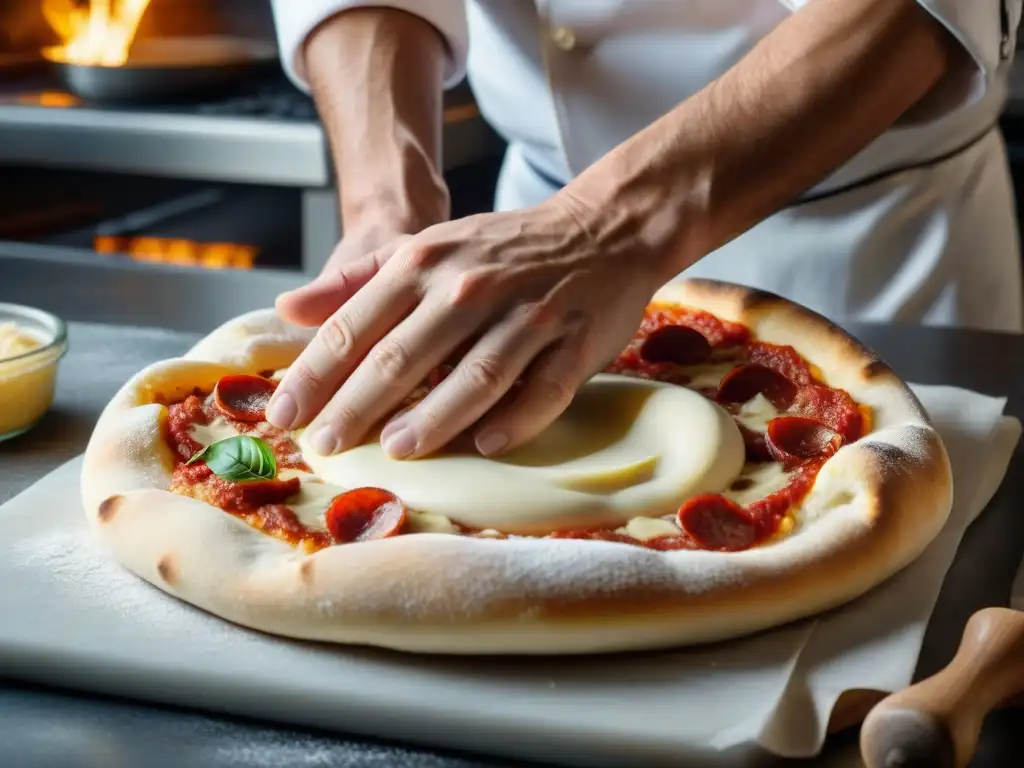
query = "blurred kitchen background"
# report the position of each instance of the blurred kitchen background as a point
(193, 168)
(192, 181)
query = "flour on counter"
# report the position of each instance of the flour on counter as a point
(80, 568)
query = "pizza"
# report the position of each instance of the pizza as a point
(741, 464)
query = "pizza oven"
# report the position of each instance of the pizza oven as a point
(163, 135)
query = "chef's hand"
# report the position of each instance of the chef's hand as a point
(357, 257)
(532, 292)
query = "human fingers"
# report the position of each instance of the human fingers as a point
(547, 390)
(336, 349)
(311, 304)
(389, 373)
(479, 381)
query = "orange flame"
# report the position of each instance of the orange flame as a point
(101, 33)
(177, 251)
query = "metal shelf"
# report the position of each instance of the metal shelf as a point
(82, 286)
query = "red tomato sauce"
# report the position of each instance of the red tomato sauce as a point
(263, 503)
(260, 503)
(814, 399)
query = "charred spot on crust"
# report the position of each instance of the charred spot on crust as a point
(108, 508)
(167, 569)
(877, 369)
(306, 572)
(755, 298)
(886, 453)
(892, 459)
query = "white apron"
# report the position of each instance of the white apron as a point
(917, 228)
(934, 246)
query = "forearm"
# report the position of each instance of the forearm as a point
(819, 88)
(376, 75)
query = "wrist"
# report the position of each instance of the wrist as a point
(635, 206)
(417, 199)
(376, 75)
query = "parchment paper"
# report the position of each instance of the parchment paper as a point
(69, 616)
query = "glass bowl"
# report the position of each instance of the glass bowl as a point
(27, 380)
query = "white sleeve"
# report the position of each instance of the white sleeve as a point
(987, 29)
(295, 19)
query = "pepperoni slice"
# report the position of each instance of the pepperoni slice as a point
(675, 344)
(748, 381)
(363, 514)
(714, 522)
(833, 407)
(791, 439)
(243, 397)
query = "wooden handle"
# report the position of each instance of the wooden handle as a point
(935, 723)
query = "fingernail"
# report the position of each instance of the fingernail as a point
(282, 410)
(397, 423)
(324, 441)
(491, 442)
(398, 443)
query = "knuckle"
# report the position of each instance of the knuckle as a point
(484, 373)
(390, 361)
(420, 257)
(344, 419)
(346, 422)
(469, 288)
(557, 391)
(336, 337)
(537, 316)
(306, 376)
(428, 421)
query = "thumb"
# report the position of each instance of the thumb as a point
(311, 304)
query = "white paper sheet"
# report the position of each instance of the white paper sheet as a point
(71, 617)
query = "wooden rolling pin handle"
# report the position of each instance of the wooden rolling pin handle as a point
(936, 723)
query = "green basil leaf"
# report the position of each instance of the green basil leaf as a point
(239, 458)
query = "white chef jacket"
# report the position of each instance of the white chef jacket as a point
(919, 227)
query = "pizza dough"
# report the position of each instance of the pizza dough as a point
(873, 508)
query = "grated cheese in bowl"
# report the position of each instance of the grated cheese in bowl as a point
(32, 342)
(15, 342)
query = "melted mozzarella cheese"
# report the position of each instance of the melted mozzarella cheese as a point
(756, 413)
(217, 429)
(311, 502)
(758, 481)
(646, 528)
(622, 440)
(625, 448)
(709, 375)
(425, 522)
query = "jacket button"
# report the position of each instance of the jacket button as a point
(563, 38)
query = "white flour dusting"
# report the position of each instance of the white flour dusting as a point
(299, 751)
(79, 568)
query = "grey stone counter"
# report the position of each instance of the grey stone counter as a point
(42, 727)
